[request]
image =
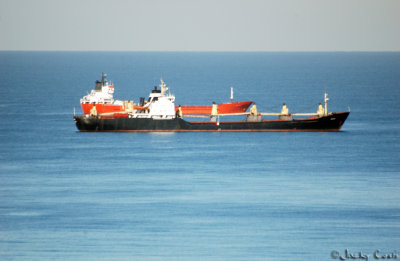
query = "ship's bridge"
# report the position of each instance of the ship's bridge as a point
(160, 104)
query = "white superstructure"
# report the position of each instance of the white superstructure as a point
(160, 105)
(103, 93)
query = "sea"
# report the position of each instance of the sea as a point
(69, 195)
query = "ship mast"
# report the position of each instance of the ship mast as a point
(231, 94)
(326, 99)
(103, 79)
(163, 86)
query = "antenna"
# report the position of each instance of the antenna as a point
(103, 79)
(163, 86)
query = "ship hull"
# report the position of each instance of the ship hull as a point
(332, 122)
(102, 107)
(234, 107)
(223, 108)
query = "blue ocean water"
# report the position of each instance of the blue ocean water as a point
(66, 195)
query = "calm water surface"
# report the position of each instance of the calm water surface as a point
(66, 195)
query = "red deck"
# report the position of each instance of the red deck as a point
(223, 108)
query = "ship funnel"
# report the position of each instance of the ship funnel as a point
(141, 103)
(98, 86)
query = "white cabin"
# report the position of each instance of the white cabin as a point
(160, 105)
(103, 92)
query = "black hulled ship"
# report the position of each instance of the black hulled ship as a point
(159, 114)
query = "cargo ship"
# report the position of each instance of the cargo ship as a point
(159, 114)
(102, 97)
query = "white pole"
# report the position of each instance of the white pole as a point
(231, 94)
(326, 99)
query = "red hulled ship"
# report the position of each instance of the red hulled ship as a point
(103, 98)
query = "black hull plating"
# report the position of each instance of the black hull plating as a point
(332, 122)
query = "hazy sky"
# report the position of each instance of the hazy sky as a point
(203, 25)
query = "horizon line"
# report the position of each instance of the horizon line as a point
(213, 51)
